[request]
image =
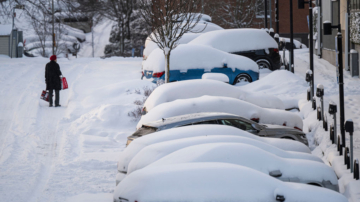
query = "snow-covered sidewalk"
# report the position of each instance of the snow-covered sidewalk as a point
(68, 153)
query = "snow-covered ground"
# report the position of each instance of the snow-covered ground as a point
(70, 153)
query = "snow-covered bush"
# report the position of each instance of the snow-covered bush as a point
(137, 112)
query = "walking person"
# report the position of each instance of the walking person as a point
(52, 79)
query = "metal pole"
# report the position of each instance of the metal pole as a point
(270, 13)
(11, 35)
(92, 38)
(351, 153)
(335, 130)
(266, 25)
(53, 29)
(320, 29)
(202, 6)
(291, 38)
(277, 15)
(341, 89)
(311, 55)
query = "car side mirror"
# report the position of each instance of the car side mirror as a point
(256, 127)
(275, 173)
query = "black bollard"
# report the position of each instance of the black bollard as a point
(332, 133)
(325, 125)
(318, 113)
(356, 169)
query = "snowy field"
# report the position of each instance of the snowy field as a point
(70, 153)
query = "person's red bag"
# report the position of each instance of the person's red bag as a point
(45, 95)
(64, 84)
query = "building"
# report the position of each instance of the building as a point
(12, 48)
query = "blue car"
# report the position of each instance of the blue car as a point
(235, 77)
(192, 61)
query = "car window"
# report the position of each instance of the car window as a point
(237, 123)
(206, 122)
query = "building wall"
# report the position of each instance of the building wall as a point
(4, 45)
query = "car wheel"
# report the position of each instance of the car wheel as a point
(242, 78)
(263, 64)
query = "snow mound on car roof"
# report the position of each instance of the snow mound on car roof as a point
(154, 152)
(223, 105)
(234, 40)
(187, 56)
(199, 130)
(205, 182)
(252, 157)
(197, 88)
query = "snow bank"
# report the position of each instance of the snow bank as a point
(252, 157)
(285, 85)
(187, 56)
(205, 182)
(159, 150)
(216, 77)
(196, 88)
(199, 130)
(235, 40)
(224, 105)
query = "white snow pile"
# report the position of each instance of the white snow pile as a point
(283, 84)
(235, 40)
(187, 56)
(222, 105)
(200, 130)
(216, 76)
(197, 88)
(156, 151)
(252, 157)
(205, 182)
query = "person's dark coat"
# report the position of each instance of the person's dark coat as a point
(52, 76)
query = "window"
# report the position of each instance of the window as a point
(260, 8)
(238, 124)
(206, 122)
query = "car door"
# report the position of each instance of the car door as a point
(225, 70)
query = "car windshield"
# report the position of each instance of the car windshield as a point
(237, 123)
(144, 130)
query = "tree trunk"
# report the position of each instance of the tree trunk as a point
(167, 67)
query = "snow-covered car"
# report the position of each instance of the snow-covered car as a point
(197, 88)
(284, 169)
(195, 131)
(222, 105)
(154, 152)
(255, 44)
(192, 61)
(215, 182)
(285, 43)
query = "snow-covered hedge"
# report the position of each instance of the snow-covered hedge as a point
(200, 130)
(235, 40)
(154, 152)
(187, 56)
(197, 88)
(224, 105)
(214, 182)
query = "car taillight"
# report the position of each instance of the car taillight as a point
(276, 50)
(143, 74)
(144, 57)
(298, 128)
(158, 74)
(257, 120)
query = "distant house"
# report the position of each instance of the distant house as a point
(12, 48)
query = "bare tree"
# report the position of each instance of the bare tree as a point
(169, 20)
(234, 13)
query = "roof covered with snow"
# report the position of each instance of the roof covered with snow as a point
(199, 130)
(154, 152)
(235, 40)
(252, 157)
(187, 56)
(224, 105)
(199, 87)
(197, 182)
(5, 30)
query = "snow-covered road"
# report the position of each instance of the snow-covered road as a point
(67, 153)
